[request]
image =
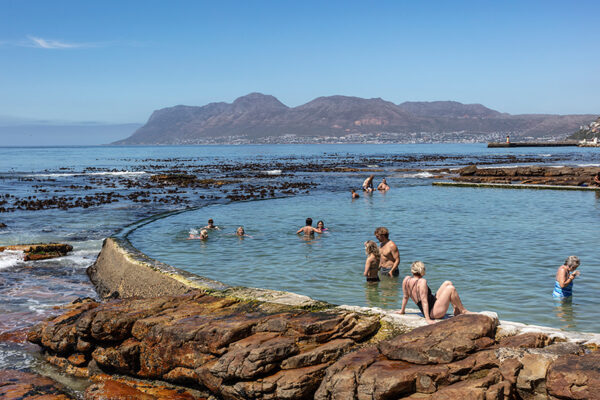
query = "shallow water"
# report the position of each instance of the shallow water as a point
(501, 248)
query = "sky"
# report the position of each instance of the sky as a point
(117, 61)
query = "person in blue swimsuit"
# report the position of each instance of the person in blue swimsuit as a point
(432, 306)
(566, 274)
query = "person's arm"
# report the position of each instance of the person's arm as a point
(425, 301)
(563, 277)
(367, 265)
(396, 255)
(404, 295)
(299, 231)
(318, 230)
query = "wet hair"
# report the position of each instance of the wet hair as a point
(372, 248)
(321, 222)
(210, 221)
(204, 233)
(309, 221)
(238, 229)
(417, 268)
(383, 231)
(572, 261)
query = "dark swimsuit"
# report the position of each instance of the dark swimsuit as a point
(375, 279)
(431, 299)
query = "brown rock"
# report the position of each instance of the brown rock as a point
(526, 341)
(442, 342)
(341, 378)
(40, 251)
(129, 389)
(466, 171)
(254, 356)
(318, 355)
(532, 376)
(575, 377)
(18, 385)
(484, 388)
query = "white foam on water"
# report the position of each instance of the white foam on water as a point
(10, 258)
(64, 174)
(272, 172)
(588, 165)
(372, 165)
(416, 175)
(545, 155)
(194, 232)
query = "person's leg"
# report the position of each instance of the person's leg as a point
(445, 296)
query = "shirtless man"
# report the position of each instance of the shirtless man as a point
(390, 256)
(367, 185)
(354, 194)
(308, 230)
(383, 185)
(211, 225)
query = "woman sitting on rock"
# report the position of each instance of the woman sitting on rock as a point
(432, 306)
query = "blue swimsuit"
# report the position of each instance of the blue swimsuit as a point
(559, 292)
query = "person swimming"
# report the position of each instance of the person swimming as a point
(565, 275)
(372, 263)
(432, 306)
(354, 195)
(321, 226)
(194, 234)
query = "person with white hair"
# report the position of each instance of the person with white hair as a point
(566, 274)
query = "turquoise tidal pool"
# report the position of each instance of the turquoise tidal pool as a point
(501, 248)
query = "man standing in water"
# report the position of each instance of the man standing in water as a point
(388, 251)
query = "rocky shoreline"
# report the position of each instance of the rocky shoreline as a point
(531, 175)
(221, 347)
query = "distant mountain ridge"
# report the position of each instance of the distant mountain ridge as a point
(256, 117)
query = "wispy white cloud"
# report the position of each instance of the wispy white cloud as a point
(54, 44)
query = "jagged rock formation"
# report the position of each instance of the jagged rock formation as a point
(235, 349)
(257, 116)
(535, 175)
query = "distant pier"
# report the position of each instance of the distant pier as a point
(532, 144)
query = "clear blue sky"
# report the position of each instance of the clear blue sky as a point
(117, 61)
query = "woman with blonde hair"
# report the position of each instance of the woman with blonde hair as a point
(372, 263)
(432, 306)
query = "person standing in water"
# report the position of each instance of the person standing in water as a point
(368, 184)
(321, 226)
(372, 262)
(432, 306)
(383, 186)
(354, 195)
(308, 229)
(566, 274)
(211, 225)
(390, 256)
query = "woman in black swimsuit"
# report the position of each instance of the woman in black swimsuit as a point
(432, 306)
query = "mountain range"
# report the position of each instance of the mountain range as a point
(263, 118)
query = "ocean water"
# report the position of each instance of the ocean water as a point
(488, 242)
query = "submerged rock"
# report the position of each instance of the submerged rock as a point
(28, 386)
